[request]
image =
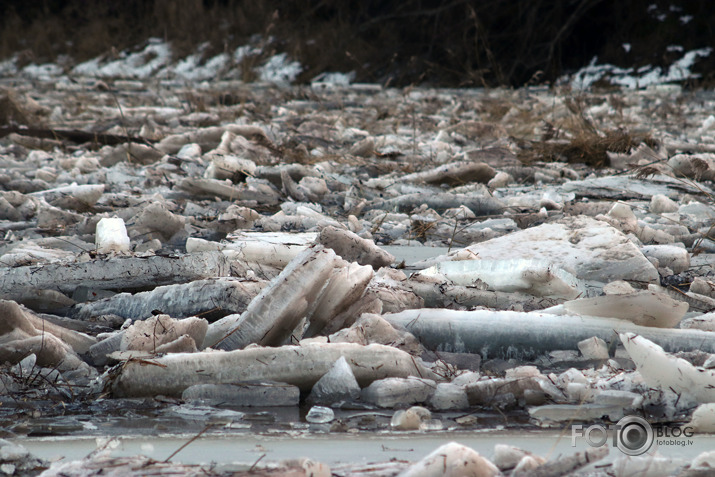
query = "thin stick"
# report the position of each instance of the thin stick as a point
(188, 442)
(256, 463)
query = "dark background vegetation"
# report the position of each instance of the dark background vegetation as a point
(446, 43)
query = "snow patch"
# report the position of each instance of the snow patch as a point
(141, 64)
(8, 67)
(641, 78)
(48, 70)
(279, 69)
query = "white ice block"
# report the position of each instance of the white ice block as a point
(536, 277)
(660, 369)
(111, 236)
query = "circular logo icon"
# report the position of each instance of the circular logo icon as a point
(634, 436)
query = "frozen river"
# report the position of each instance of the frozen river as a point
(243, 450)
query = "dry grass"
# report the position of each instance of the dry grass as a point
(577, 139)
(589, 148)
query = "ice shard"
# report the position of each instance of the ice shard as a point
(345, 286)
(273, 315)
(645, 308)
(353, 248)
(659, 369)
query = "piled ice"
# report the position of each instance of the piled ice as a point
(275, 248)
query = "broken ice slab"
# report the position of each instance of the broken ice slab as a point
(45, 301)
(512, 334)
(671, 256)
(452, 459)
(275, 249)
(484, 391)
(437, 294)
(111, 236)
(15, 318)
(593, 348)
(118, 273)
(345, 285)
(644, 308)
(301, 366)
(704, 322)
(371, 328)
(210, 137)
(534, 277)
(320, 415)
(338, 384)
(261, 192)
(582, 412)
(157, 218)
(274, 314)
(440, 201)
(18, 458)
(628, 187)
(454, 173)
(258, 394)
(695, 166)
(567, 465)
(703, 419)
(228, 166)
(535, 200)
(29, 253)
(131, 152)
(448, 396)
(659, 369)
(585, 247)
(653, 465)
(214, 297)
(75, 197)
(508, 457)
(411, 419)
(160, 330)
(697, 303)
(369, 302)
(309, 189)
(703, 286)
(51, 351)
(390, 286)
(353, 248)
(391, 392)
